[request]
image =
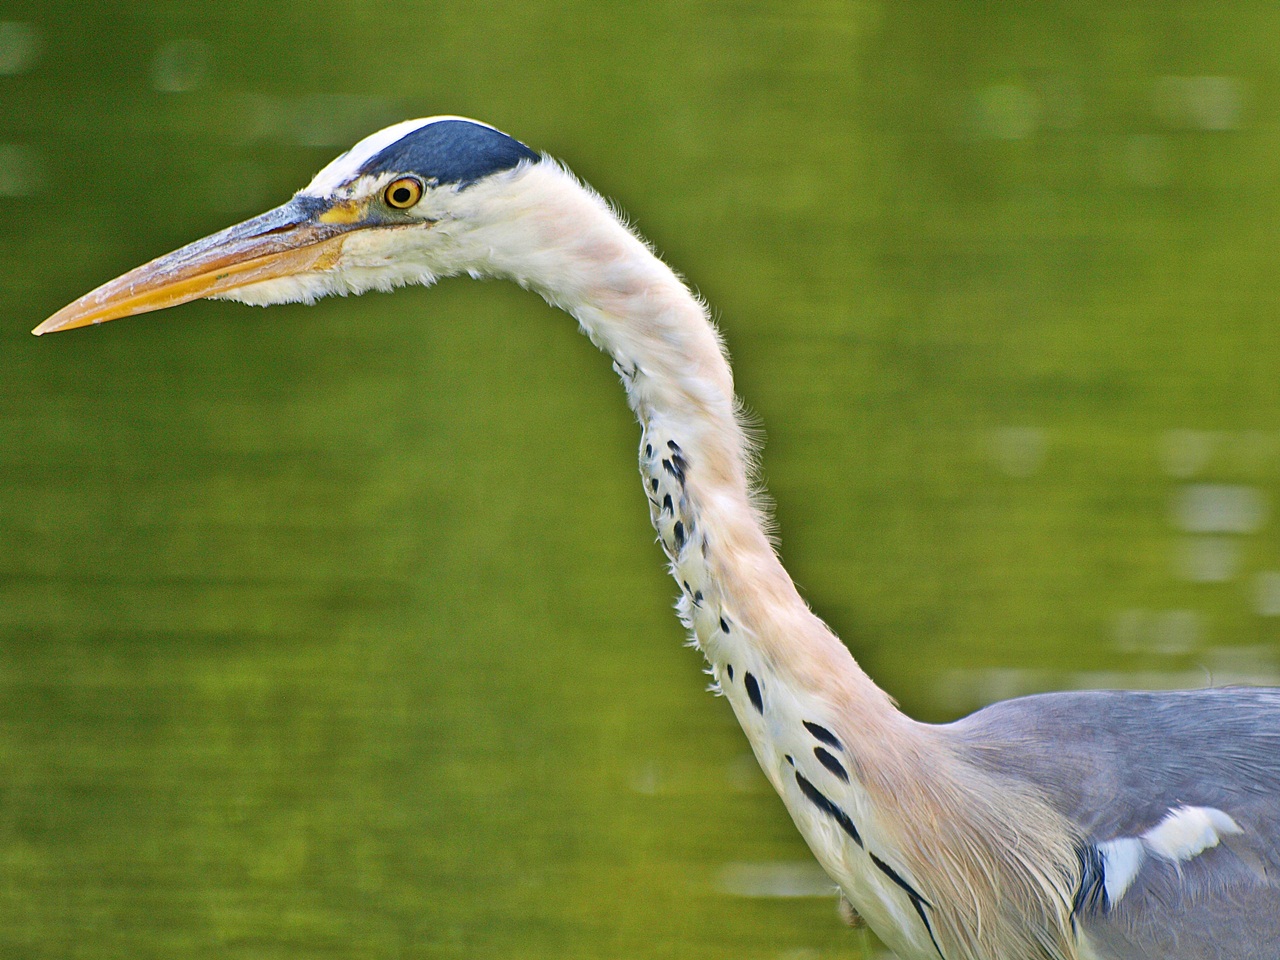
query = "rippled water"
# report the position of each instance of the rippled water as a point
(339, 631)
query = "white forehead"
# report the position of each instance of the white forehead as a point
(345, 166)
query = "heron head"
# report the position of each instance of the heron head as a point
(402, 206)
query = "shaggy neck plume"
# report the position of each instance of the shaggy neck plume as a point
(818, 725)
(694, 454)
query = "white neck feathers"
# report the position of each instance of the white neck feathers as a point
(799, 695)
(568, 245)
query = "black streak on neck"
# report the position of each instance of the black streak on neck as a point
(753, 692)
(917, 901)
(827, 806)
(831, 763)
(822, 733)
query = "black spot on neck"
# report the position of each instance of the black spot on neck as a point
(896, 877)
(450, 151)
(917, 901)
(753, 693)
(831, 763)
(827, 806)
(822, 733)
(913, 894)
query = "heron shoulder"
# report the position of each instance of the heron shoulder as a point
(1176, 800)
(1117, 761)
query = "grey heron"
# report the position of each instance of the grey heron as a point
(1107, 824)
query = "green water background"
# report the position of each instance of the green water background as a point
(339, 631)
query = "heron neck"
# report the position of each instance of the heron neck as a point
(867, 786)
(740, 605)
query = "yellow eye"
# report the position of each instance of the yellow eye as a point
(403, 193)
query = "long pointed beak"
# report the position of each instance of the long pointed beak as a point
(303, 235)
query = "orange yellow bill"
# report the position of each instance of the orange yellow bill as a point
(303, 235)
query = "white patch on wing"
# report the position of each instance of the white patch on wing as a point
(1184, 833)
(343, 167)
(1188, 831)
(1122, 859)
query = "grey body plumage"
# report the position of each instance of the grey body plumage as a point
(1114, 763)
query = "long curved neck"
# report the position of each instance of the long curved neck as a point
(742, 607)
(818, 725)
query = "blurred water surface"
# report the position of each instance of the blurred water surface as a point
(339, 631)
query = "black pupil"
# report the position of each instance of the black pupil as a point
(401, 194)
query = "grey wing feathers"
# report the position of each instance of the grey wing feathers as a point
(1116, 764)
